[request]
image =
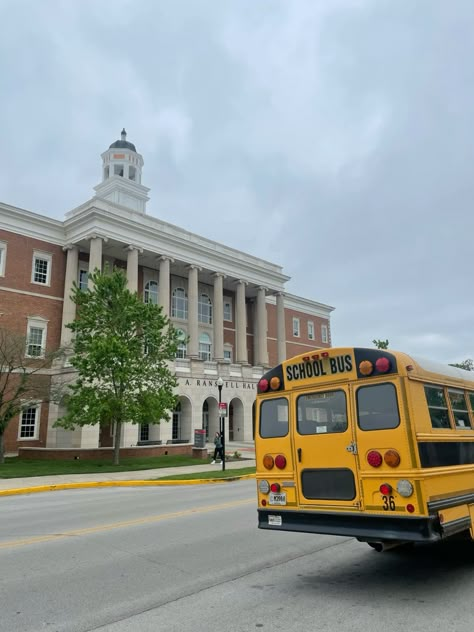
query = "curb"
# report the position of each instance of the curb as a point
(157, 483)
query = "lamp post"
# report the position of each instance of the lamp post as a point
(220, 383)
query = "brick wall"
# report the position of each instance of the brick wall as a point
(71, 454)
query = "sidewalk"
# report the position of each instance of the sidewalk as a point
(32, 484)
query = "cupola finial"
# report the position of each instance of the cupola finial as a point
(124, 134)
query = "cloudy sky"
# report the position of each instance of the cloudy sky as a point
(333, 137)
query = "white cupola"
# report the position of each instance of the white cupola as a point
(122, 176)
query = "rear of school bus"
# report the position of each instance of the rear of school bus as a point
(335, 453)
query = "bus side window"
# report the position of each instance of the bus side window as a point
(459, 408)
(437, 406)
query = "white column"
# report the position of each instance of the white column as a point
(164, 285)
(241, 355)
(132, 267)
(218, 317)
(90, 436)
(193, 328)
(261, 353)
(69, 307)
(95, 256)
(281, 330)
(130, 431)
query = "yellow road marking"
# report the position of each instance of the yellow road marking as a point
(127, 523)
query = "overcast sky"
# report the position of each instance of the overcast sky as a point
(332, 137)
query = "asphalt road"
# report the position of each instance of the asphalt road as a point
(191, 558)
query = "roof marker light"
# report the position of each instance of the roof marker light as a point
(275, 383)
(315, 356)
(263, 385)
(366, 367)
(325, 354)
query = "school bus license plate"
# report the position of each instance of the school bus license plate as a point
(277, 499)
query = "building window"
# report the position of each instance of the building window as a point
(83, 279)
(296, 327)
(41, 268)
(132, 173)
(36, 338)
(179, 304)
(106, 172)
(228, 354)
(324, 333)
(204, 347)
(3, 257)
(205, 309)
(310, 330)
(151, 292)
(29, 422)
(182, 349)
(118, 170)
(228, 309)
(144, 432)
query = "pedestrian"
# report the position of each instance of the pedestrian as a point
(218, 449)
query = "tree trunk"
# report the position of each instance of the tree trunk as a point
(2, 453)
(117, 438)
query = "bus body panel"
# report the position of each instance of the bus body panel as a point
(322, 464)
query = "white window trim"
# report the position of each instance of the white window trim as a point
(37, 254)
(324, 334)
(296, 327)
(38, 323)
(310, 330)
(3, 257)
(37, 406)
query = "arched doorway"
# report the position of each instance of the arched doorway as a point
(236, 420)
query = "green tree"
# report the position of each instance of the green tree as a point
(467, 365)
(121, 351)
(381, 344)
(23, 381)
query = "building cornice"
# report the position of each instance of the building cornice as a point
(166, 239)
(303, 305)
(19, 220)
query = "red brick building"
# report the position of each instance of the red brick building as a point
(232, 308)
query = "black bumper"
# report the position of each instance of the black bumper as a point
(366, 527)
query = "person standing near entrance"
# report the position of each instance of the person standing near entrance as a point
(217, 447)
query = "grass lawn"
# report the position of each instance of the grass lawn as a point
(229, 473)
(14, 467)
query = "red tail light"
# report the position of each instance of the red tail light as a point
(374, 458)
(383, 365)
(385, 489)
(275, 488)
(280, 461)
(263, 385)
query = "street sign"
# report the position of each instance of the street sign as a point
(222, 409)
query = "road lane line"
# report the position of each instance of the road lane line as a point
(120, 525)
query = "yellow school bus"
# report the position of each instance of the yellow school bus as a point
(373, 444)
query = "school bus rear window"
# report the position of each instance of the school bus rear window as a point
(377, 407)
(322, 413)
(274, 418)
